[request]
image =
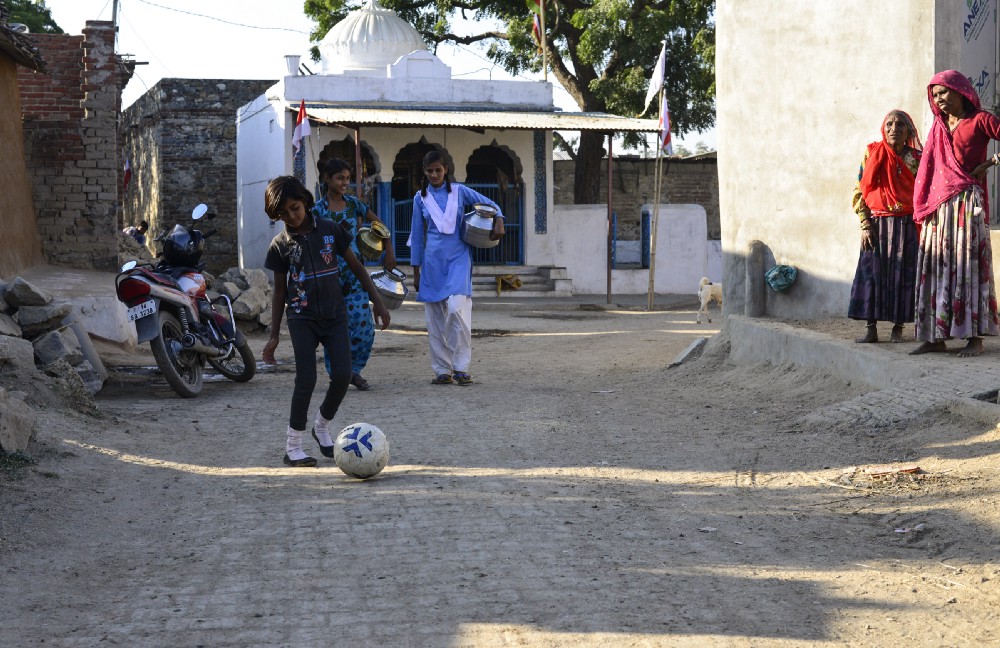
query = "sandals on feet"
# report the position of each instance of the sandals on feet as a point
(360, 383)
(463, 378)
(442, 379)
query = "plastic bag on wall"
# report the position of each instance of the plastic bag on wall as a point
(781, 277)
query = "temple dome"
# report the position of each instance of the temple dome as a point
(367, 40)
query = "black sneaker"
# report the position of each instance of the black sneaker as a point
(304, 462)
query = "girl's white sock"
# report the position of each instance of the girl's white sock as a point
(293, 444)
(322, 428)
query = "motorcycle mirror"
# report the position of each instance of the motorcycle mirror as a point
(199, 211)
(129, 265)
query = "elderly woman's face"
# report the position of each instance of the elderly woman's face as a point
(948, 101)
(897, 131)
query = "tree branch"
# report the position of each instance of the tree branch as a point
(464, 40)
(564, 145)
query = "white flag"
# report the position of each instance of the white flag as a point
(656, 82)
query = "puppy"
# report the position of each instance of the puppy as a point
(708, 292)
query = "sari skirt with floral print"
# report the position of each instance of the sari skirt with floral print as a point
(956, 297)
(886, 277)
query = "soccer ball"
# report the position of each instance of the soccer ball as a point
(361, 450)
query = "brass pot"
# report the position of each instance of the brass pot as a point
(371, 240)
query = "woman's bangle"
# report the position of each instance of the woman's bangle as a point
(996, 159)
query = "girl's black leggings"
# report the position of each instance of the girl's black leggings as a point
(306, 336)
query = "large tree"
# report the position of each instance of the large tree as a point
(601, 51)
(34, 14)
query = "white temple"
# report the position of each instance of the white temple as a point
(380, 86)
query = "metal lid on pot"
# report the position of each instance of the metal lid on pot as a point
(484, 210)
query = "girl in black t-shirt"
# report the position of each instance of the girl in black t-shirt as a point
(304, 259)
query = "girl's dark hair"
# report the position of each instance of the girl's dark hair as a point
(284, 188)
(333, 165)
(430, 158)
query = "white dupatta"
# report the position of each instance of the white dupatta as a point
(447, 220)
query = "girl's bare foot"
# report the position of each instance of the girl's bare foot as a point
(871, 335)
(897, 333)
(929, 347)
(972, 349)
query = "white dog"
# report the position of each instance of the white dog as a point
(708, 292)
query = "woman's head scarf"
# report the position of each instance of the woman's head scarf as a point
(887, 183)
(940, 176)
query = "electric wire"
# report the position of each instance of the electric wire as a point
(228, 22)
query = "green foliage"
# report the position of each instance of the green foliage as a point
(34, 14)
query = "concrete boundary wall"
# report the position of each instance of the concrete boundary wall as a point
(755, 341)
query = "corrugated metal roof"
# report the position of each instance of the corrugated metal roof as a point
(477, 119)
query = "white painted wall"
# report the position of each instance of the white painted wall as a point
(415, 92)
(262, 131)
(577, 241)
(803, 86)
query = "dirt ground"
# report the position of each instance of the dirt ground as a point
(582, 493)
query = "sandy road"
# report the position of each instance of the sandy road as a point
(580, 494)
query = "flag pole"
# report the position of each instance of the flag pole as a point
(658, 186)
(545, 46)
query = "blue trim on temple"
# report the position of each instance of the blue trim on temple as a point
(541, 181)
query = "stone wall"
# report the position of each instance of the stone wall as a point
(686, 181)
(181, 139)
(70, 118)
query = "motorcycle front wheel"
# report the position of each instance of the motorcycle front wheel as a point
(239, 365)
(182, 369)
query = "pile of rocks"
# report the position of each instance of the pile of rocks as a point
(250, 291)
(130, 250)
(39, 337)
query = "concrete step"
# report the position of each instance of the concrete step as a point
(536, 281)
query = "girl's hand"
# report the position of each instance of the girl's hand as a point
(381, 315)
(267, 355)
(390, 260)
(498, 229)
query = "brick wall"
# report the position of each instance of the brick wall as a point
(181, 137)
(70, 118)
(691, 181)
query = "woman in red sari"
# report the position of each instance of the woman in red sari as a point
(883, 199)
(956, 296)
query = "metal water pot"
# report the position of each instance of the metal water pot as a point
(477, 226)
(371, 240)
(391, 286)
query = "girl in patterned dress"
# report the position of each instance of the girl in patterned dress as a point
(347, 210)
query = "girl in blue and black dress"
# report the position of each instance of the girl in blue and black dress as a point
(347, 210)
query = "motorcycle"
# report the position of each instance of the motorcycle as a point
(170, 307)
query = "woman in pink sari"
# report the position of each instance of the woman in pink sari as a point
(956, 297)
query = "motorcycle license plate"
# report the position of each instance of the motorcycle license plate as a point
(142, 310)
